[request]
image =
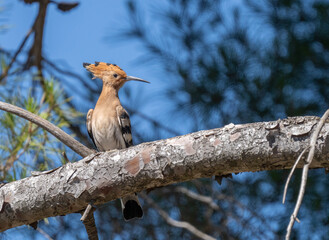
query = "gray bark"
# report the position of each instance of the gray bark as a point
(103, 177)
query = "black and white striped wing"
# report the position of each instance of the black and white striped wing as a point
(125, 126)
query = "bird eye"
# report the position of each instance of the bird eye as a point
(115, 75)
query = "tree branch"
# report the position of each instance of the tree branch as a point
(204, 199)
(62, 136)
(43, 233)
(6, 71)
(306, 167)
(291, 173)
(89, 223)
(103, 177)
(179, 224)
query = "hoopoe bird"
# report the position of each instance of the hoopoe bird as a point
(108, 124)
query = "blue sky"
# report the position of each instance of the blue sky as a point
(76, 36)
(89, 33)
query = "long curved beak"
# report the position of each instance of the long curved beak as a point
(131, 78)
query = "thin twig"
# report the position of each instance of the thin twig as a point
(307, 164)
(199, 197)
(86, 212)
(46, 235)
(65, 157)
(174, 222)
(243, 207)
(49, 127)
(291, 173)
(89, 223)
(5, 72)
(214, 207)
(67, 73)
(236, 204)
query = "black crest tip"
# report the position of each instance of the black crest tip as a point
(96, 64)
(85, 64)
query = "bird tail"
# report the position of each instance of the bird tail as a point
(131, 208)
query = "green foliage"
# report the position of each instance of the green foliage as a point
(25, 146)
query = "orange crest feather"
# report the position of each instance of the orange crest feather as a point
(101, 69)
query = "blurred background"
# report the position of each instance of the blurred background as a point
(210, 63)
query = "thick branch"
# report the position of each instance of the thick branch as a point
(103, 177)
(62, 136)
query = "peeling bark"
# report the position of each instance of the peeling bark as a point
(103, 177)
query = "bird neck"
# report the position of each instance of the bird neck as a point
(109, 97)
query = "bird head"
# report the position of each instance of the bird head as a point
(111, 74)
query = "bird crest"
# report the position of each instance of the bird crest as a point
(101, 69)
